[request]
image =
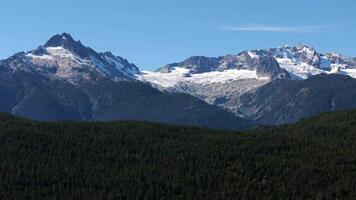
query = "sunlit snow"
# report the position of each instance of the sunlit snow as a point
(179, 75)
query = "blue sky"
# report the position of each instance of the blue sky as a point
(157, 32)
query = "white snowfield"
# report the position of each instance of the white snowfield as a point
(182, 75)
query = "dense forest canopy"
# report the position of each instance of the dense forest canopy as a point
(312, 159)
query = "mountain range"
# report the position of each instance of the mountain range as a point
(270, 86)
(65, 80)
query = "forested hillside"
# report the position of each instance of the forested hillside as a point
(312, 159)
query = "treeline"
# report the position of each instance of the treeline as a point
(312, 159)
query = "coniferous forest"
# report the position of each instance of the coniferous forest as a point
(312, 159)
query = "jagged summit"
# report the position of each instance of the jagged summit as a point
(66, 41)
(63, 40)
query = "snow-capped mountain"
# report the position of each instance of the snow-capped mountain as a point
(65, 80)
(299, 62)
(64, 58)
(222, 80)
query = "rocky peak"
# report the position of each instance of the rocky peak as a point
(307, 54)
(66, 41)
(66, 59)
(267, 66)
(196, 64)
(335, 58)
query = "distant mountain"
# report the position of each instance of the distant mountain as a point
(299, 62)
(65, 80)
(223, 80)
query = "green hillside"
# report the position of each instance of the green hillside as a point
(312, 159)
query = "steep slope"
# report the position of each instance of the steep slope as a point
(312, 159)
(138, 101)
(286, 101)
(66, 80)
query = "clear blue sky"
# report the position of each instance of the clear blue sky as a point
(157, 32)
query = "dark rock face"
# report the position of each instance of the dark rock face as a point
(31, 95)
(197, 64)
(66, 41)
(286, 101)
(267, 66)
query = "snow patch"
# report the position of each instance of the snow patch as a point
(252, 54)
(349, 72)
(44, 56)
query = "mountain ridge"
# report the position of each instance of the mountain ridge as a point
(75, 82)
